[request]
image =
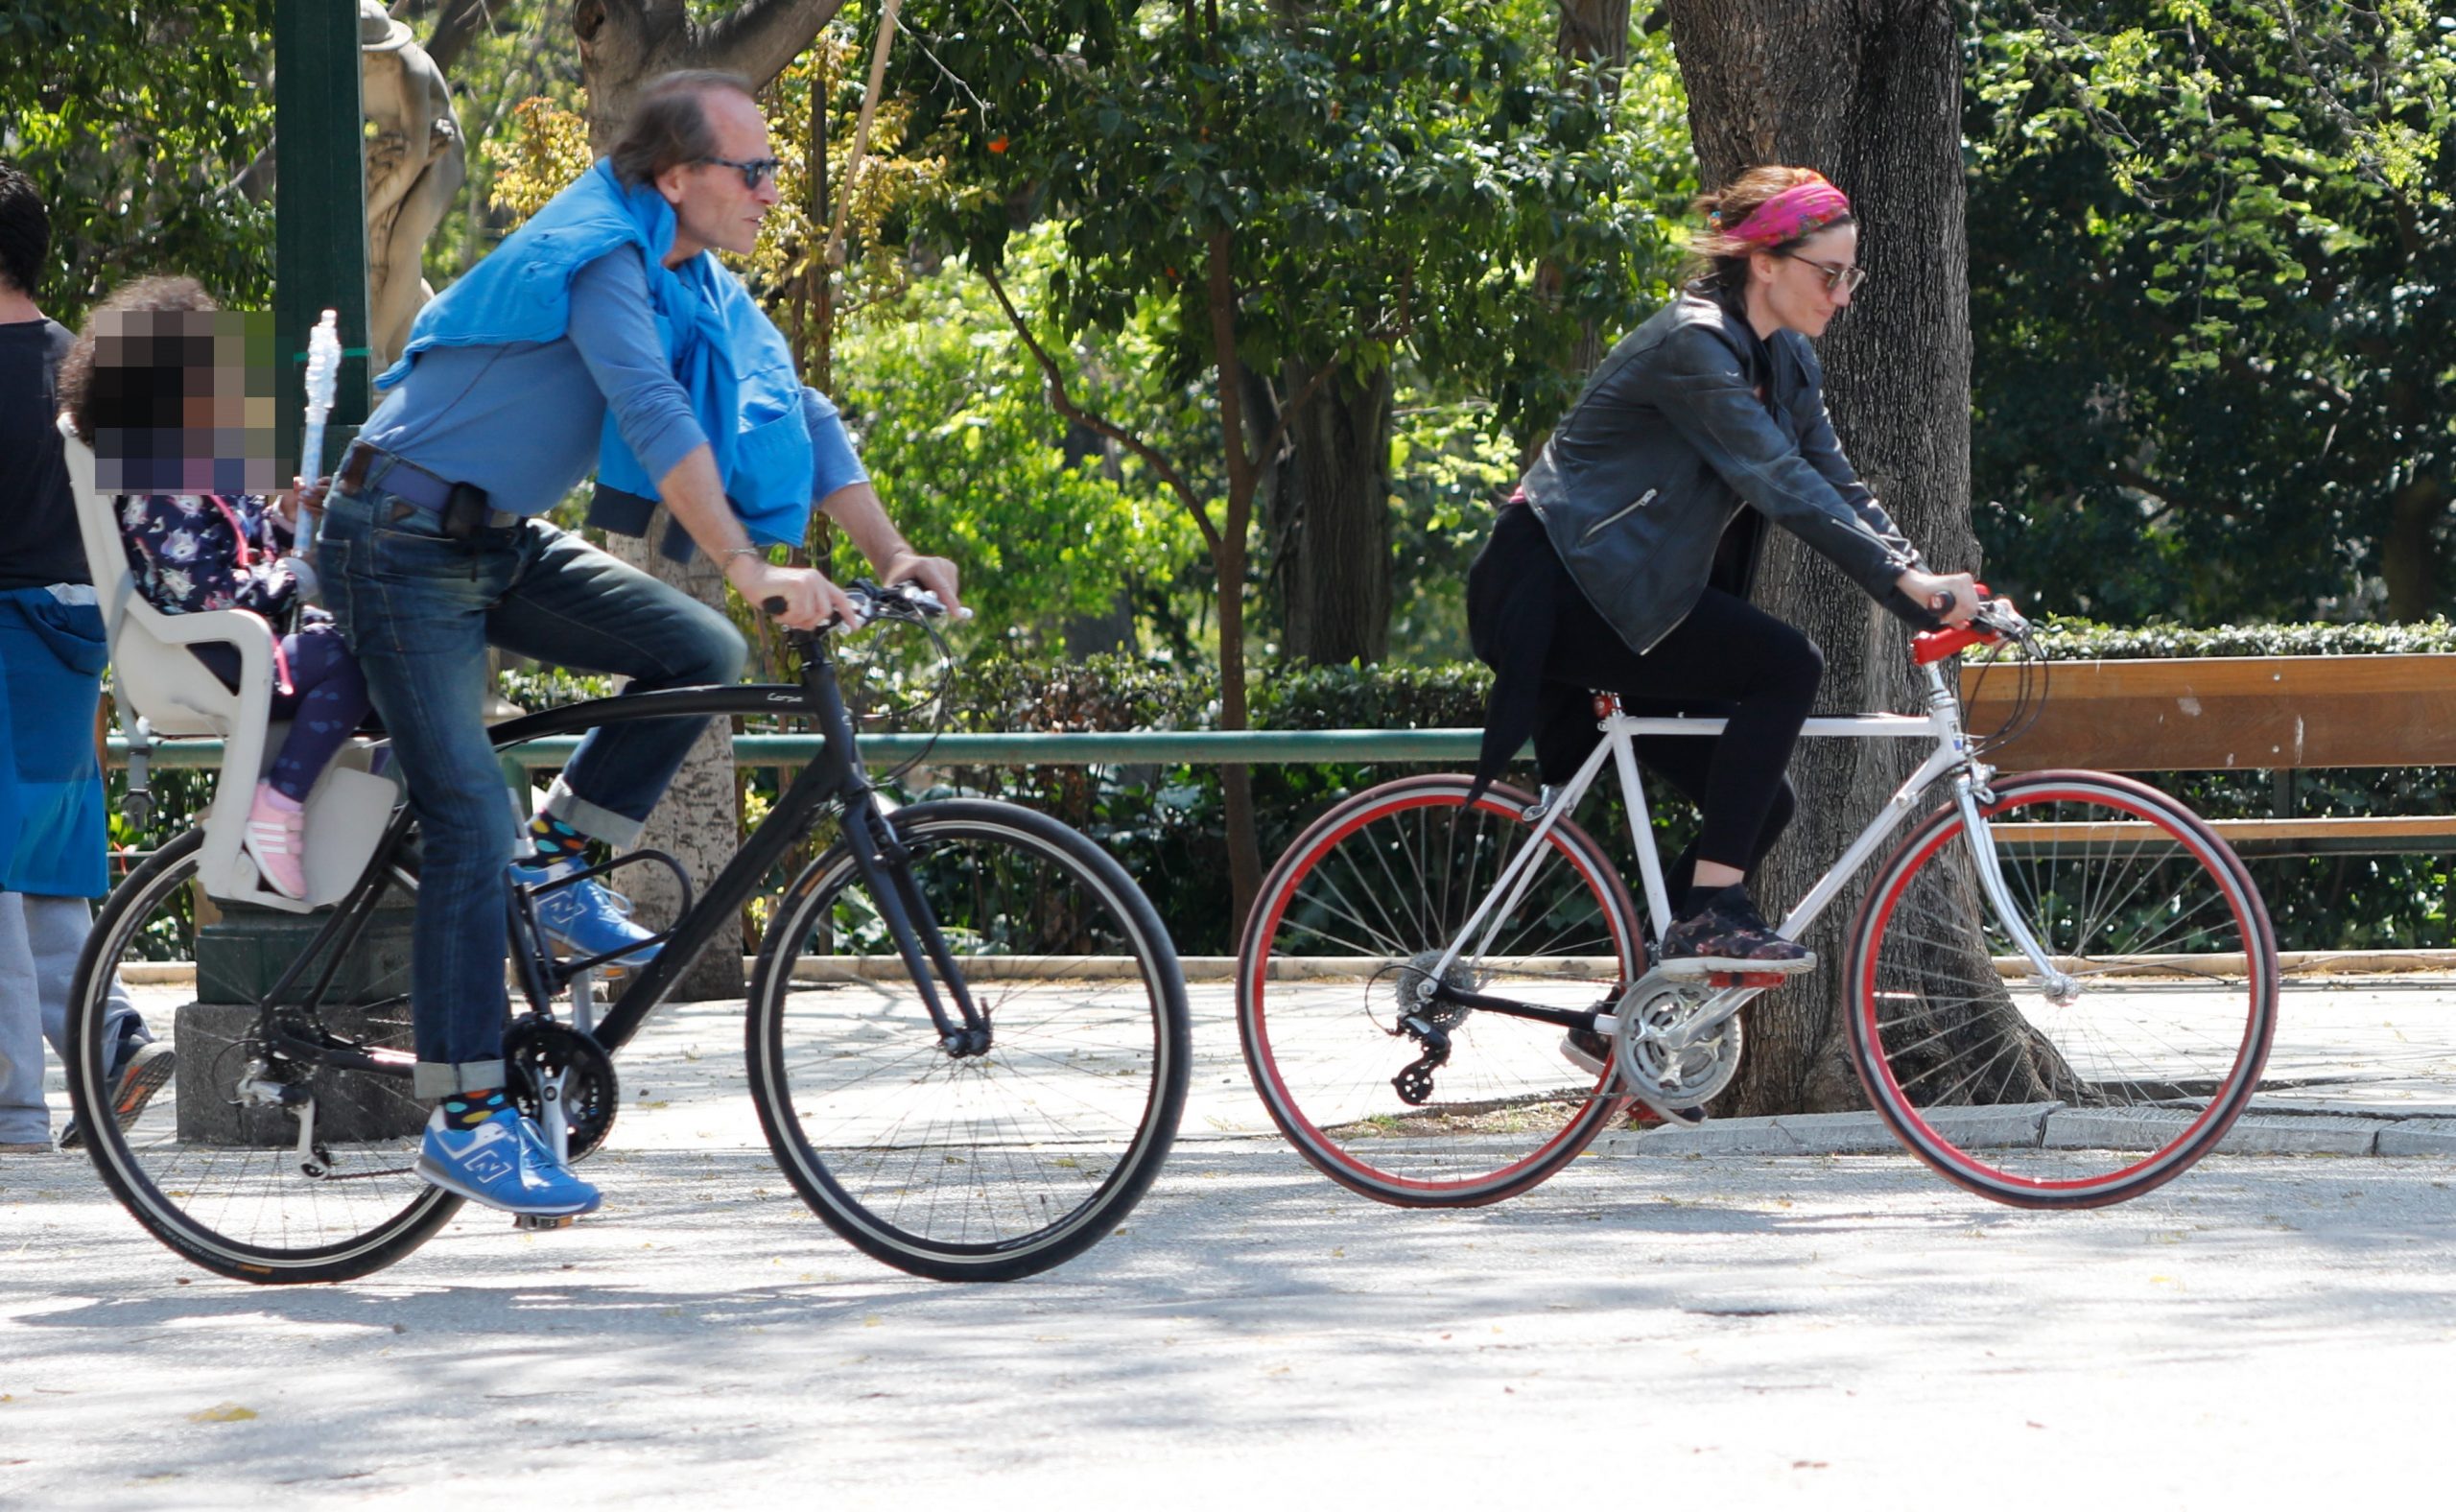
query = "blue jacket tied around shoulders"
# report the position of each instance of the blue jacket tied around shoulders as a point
(730, 359)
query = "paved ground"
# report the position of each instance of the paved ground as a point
(1842, 1329)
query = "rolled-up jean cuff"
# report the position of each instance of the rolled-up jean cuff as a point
(598, 824)
(439, 1078)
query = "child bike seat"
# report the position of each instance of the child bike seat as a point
(156, 675)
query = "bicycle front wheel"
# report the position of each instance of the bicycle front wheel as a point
(2078, 1093)
(1353, 921)
(984, 1166)
(257, 1160)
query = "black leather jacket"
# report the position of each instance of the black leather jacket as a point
(1689, 417)
(1641, 492)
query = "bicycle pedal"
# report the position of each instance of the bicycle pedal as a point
(535, 1222)
(1747, 979)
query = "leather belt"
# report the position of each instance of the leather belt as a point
(415, 492)
(370, 468)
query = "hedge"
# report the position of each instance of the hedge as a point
(1167, 824)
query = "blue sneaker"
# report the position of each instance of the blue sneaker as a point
(503, 1164)
(584, 918)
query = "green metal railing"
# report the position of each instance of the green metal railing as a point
(1163, 747)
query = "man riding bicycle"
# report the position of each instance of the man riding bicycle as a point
(603, 335)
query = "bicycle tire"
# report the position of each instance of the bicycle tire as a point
(1362, 895)
(998, 1166)
(2038, 1103)
(224, 1188)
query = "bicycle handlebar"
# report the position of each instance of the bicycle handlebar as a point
(903, 601)
(1994, 623)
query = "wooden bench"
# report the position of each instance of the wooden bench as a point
(2275, 714)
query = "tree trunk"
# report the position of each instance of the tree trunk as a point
(1594, 35)
(1228, 576)
(1335, 497)
(1868, 93)
(1112, 629)
(698, 822)
(1593, 31)
(623, 44)
(2409, 555)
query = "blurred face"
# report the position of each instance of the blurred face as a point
(713, 206)
(1804, 289)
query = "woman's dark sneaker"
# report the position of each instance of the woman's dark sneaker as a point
(1587, 1050)
(1728, 934)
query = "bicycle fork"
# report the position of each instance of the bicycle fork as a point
(885, 869)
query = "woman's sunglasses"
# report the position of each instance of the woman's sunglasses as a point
(1838, 278)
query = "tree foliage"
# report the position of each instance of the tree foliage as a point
(2214, 334)
(135, 123)
(968, 457)
(1393, 171)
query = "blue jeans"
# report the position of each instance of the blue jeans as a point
(418, 611)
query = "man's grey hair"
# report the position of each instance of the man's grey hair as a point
(668, 124)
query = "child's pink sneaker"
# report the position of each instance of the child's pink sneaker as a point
(275, 838)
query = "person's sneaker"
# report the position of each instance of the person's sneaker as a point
(275, 838)
(503, 1164)
(145, 1072)
(1587, 1050)
(1728, 934)
(584, 918)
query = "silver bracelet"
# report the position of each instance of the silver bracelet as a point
(759, 552)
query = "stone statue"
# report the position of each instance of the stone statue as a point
(415, 161)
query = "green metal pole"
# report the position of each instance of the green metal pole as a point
(319, 210)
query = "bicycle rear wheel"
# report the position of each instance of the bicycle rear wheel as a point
(213, 1166)
(2082, 1098)
(989, 1167)
(1361, 908)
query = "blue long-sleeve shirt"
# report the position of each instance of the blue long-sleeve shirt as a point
(522, 421)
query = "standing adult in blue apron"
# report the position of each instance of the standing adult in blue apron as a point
(602, 335)
(53, 837)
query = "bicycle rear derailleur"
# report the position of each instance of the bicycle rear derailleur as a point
(1427, 1021)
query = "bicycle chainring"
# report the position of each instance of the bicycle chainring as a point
(1683, 1077)
(540, 1050)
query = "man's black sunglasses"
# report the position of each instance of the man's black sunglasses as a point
(751, 171)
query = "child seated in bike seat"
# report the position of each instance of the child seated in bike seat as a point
(196, 542)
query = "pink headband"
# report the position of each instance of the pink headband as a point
(1794, 213)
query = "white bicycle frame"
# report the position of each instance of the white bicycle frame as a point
(1951, 757)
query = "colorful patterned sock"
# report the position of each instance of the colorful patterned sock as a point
(554, 841)
(467, 1110)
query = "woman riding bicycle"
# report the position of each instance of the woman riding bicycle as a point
(1629, 567)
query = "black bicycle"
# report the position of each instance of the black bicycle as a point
(967, 1031)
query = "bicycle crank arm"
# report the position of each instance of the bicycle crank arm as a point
(1713, 1015)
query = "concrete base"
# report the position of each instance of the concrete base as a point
(242, 951)
(2419, 1137)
